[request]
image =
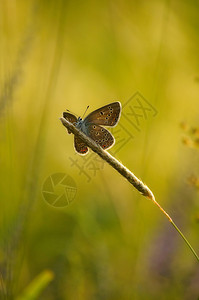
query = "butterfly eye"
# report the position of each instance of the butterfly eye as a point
(102, 130)
(94, 126)
(107, 118)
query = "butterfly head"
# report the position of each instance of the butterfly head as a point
(79, 123)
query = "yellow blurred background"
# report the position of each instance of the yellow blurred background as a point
(109, 242)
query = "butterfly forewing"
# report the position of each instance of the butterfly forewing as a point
(107, 115)
(71, 118)
(100, 135)
(80, 146)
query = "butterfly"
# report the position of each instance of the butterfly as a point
(107, 115)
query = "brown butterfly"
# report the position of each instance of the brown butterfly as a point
(107, 115)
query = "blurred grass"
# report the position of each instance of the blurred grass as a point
(110, 243)
(33, 291)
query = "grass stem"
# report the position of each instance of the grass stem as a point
(137, 183)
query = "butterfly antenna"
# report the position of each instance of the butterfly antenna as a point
(71, 112)
(85, 111)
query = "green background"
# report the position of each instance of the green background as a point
(110, 242)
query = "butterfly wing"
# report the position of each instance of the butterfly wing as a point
(80, 146)
(107, 115)
(71, 118)
(100, 135)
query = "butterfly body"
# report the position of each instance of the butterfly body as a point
(107, 115)
(80, 124)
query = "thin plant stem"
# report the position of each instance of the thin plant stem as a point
(186, 241)
(137, 183)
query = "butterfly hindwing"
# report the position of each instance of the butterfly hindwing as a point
(71, 118)
(100, 135)
(107, 115)
(80, 146)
